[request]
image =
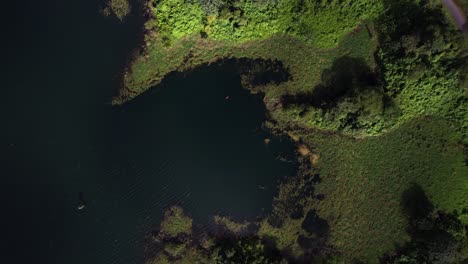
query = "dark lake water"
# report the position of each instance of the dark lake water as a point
(181, 143)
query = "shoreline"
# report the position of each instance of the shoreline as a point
(359, 176)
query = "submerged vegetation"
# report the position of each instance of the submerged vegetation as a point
(120, 8)
(374, 93)
(175, 223)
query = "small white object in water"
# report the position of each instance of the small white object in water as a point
(81, 206)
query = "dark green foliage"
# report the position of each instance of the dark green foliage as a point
(421, 58)
(350, 96)
(436, 237)
(407, 17)
(245, 250)
(422, 71)
(261, 72)
(314, 225)
(347, 77)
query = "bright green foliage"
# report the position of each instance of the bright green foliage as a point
(178, 18)
(183, 34)
(422, 71)
(327, 22)
(211, 7)
(321, 23)
(421, 57)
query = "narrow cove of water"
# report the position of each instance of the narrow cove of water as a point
(180, 143)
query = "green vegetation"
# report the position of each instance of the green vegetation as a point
(422, 71)
(176, 223)
(436, 237)
(363, 180)
(120, 8)
(179, 245)
(230, 225)
(249, 250)
(174, 239)
(341, 89)
(362, 195)
(375, 90)
(181, 35)
(285, 236)
(422, 59)
(322, 23)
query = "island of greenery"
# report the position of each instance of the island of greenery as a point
(374, 93)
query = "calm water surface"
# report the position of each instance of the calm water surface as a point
(181, 143)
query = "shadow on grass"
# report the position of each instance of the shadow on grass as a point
(347, 77)
(415, 204)
(258, 72)
(436, 236)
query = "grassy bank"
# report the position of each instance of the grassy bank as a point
(371, 78)
(182, 34)
(362, 182)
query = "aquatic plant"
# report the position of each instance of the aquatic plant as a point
(120, 8)
(175, 222)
